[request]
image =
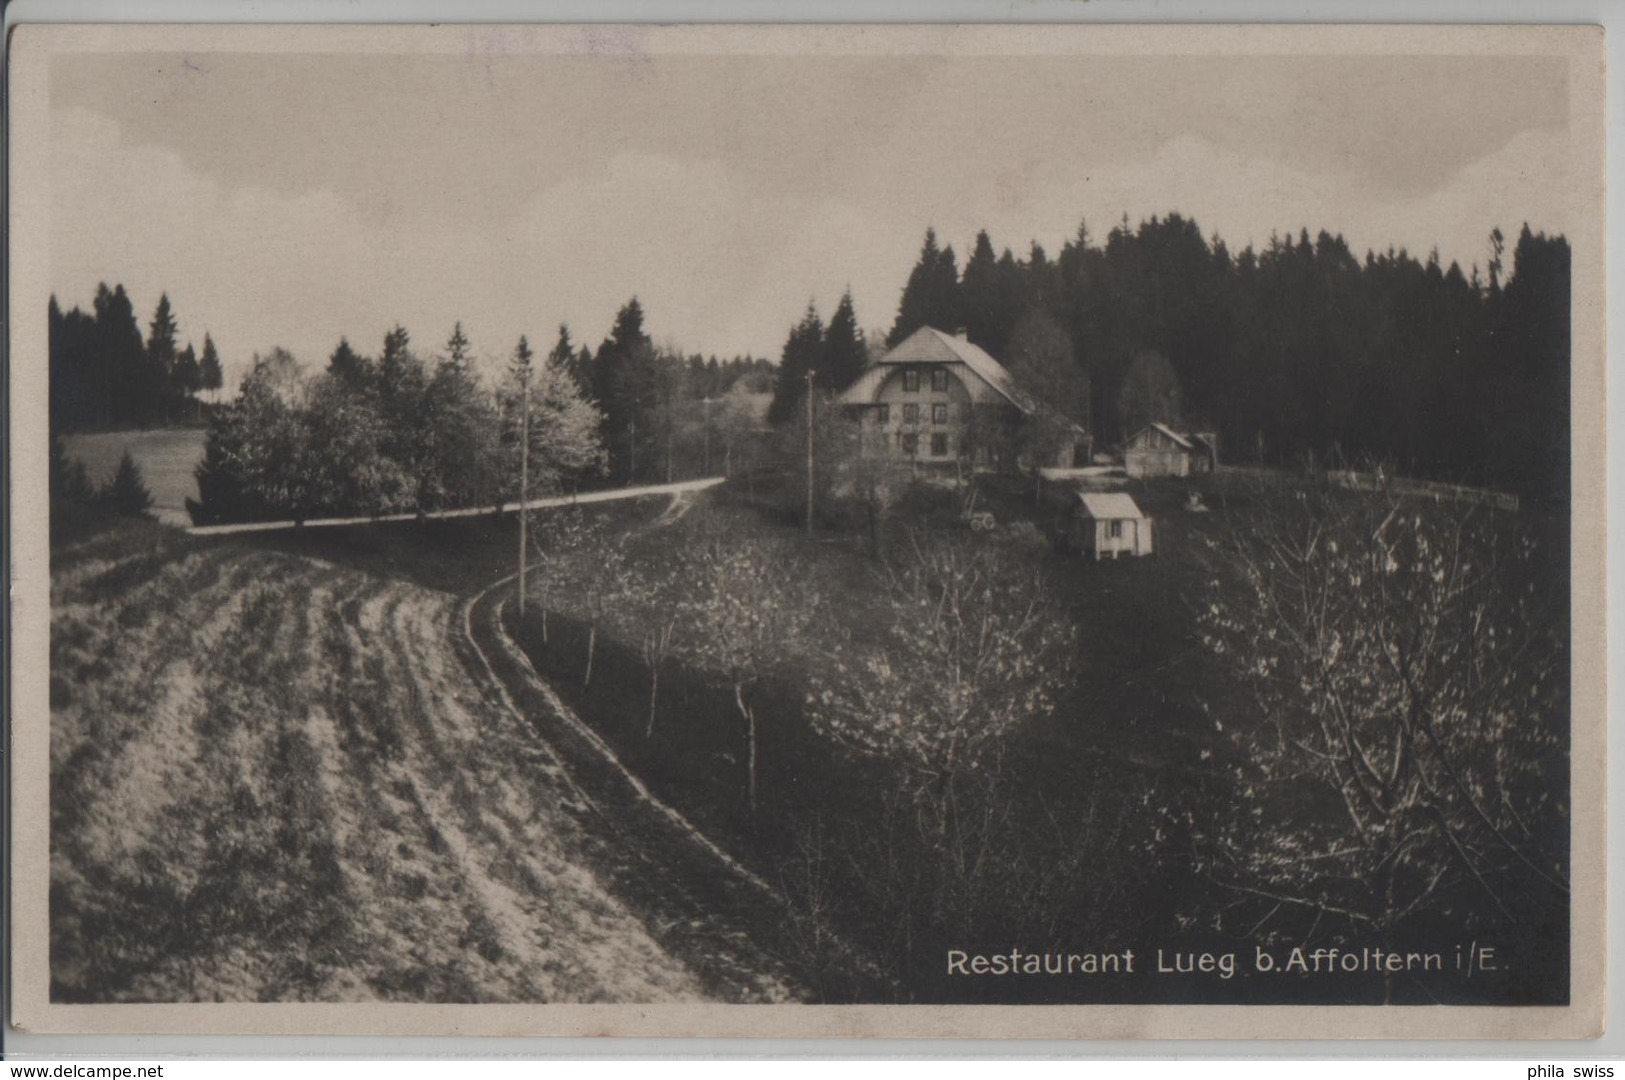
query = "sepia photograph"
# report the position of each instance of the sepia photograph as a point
(700, 517)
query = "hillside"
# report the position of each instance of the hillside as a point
(276, 778)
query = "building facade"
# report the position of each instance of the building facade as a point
(938, 399)
(1105, 525)
(1158, 450)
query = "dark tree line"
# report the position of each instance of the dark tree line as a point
(834, 355)
(104, 374)
(1301, 349)
(652, 397)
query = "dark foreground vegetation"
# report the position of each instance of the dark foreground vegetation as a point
(1095, 758)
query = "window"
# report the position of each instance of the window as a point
(909, 442)
(911, 414)
(883, 414)
(911, 381)
(1114, 530)
(939, 445)
(939, 379)
(939, 414)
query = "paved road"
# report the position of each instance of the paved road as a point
(607, 495)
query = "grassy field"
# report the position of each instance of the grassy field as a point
(166, 458)
(275, 778)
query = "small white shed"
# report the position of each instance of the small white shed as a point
(1107, 524)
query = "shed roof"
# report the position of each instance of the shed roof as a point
(1109, 506)
(1180, 440)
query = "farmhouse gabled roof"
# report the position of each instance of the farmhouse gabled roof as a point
(1109, 506)
(928, 345)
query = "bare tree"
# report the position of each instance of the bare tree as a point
(656, 646)
(602, 585)
(749, 612)
(555, 536)
(978, 648)
(975, 649)
(1412, 702)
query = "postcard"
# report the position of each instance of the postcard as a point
(975, 531)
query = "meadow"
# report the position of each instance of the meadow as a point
(167, 458)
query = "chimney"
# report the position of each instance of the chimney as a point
(961, 333)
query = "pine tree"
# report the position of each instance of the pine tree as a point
(457, 346)
(127, 495)
(396, 345)
(351, 369)
(118, 369)
(624, 386)
(574, 364)
(803, 353)
(980, 302)
(157, 383)
(931, 297)
(210, 374)
(845, 352)
(187, 378)
(462, 431)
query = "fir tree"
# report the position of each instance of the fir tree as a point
(156, 384)
(127, 495)
(211, 376)
(349, 367)
(931, 297)
(845, 352)
(803, 353)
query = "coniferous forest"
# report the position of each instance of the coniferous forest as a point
(1301, 350)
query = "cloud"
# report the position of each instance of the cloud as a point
(723, 257)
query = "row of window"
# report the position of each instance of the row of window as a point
(911, 379)
(911, 414)
(909, 443)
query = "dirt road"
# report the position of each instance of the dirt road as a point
(274, 778)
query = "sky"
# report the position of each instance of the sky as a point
(291, 199)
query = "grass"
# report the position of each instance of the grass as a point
(167, 458)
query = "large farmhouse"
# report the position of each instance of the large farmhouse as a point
(938, 399)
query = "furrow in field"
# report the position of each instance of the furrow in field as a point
(553, 925)
(274, 778)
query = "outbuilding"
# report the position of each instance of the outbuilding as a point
(1106, 524)
(1158, 450)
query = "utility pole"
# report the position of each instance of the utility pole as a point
(706, 403)
(810, 375)
(524, 473)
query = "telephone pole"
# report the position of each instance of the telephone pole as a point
(810, 375)
(706, 402)
(524, 474)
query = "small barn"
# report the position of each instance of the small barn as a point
(1158, 450)
(1106, 524)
